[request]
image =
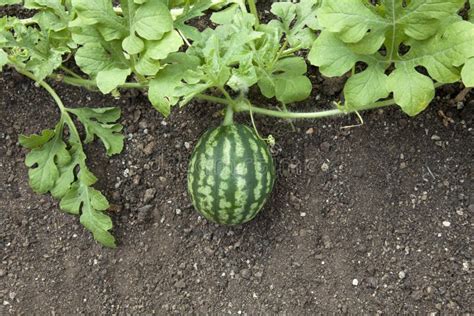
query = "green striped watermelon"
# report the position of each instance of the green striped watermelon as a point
(230, 175)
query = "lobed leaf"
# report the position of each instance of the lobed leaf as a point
(90, 203)
(100, 122)
(48, 155)
(393, 40)
(468, 73)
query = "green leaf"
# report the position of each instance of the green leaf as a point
(100, 122)
(44, 161)
(419, 19)
(92, 58)
(243, 77)
(152, 20)
(9, 2)
(468, 73)
(190, 12)
(411, 90)
(61, 169)
(351, 19)
(332, 56)
(416, 33)
(132, 44)
(359, 88)
(162, 91)
(84, 199)
(297, 21)
(286, 81)
(443, 54)
(3, 58)
(226, 15)
(101, 14)
(108, 80)
(34, 141)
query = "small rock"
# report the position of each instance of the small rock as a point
(401, 275)
(144, 213)
(435, 137)
(324, 167)
(403, 165)
(2, 272)
(446, 223)
(325, 147)
(355, 282)
(417, 295)
(208, 250)
(180, 284)
(326, 242)
(310, 131)
(149, 148)
(149, 195)
(372, 282)
(178, 211)
(245, 273)
(187, 145)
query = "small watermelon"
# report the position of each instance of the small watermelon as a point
(230, 175)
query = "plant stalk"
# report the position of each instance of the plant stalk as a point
(64, 111)
(229, 116)
(244, 107)
(253, 10)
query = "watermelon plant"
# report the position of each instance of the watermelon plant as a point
(393, 52)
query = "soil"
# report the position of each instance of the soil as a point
(369, 219)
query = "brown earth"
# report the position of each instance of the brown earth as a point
(372, 219)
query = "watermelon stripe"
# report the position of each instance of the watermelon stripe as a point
(251, 176)
(202, 172)
(230, 196)
(192, 176)
(217, 152)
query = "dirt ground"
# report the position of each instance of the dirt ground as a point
(372, 219)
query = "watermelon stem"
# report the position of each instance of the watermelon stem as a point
(229, 116)
(254, 11)
(247, 107)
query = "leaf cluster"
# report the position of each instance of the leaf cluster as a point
(394, 47)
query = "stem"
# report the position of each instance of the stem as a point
(91, 83)
(253, 10)
(229, 116)
(64, 111)
(213, 99)
(243, 107)
(70, 72)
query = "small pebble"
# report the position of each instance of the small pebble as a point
(245, 273)
(401, 275)
(324, 167)
(446, 224)
(355, 282)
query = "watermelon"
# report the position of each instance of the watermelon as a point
(231, 174)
